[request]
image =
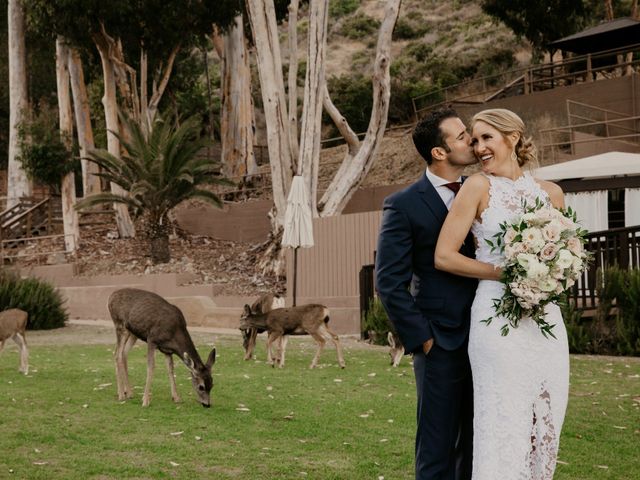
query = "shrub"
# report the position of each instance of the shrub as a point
(38, 298)
(405, 30)
(343, 7)
(44, 157)
(376, 323)
(352, 95)
(359, 26)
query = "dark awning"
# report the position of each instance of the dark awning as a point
(618, 33)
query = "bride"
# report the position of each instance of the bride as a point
(520, 381)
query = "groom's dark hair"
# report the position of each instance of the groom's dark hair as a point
(427, 134)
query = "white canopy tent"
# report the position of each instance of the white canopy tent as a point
(591, 204)
(604, 165)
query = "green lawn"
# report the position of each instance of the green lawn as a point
(63, 421)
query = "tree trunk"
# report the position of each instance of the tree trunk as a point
(69, 214)
(265, 35)
(160, 252)
(293, 80)
(90, 182)
(237, 107)
(311, 130)
(354, 168)
(18, 184)
(123, 220)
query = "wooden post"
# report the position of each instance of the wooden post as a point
(589, 77)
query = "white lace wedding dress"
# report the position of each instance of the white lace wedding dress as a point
(520, 381)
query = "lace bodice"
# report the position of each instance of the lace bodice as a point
(506, 198)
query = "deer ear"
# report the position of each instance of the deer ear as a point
(247, 309)
(212, 359)
(188, 361)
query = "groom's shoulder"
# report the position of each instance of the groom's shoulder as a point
(405, 195)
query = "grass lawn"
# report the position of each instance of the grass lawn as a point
(63, 421)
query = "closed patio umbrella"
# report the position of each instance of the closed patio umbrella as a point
(298, 224)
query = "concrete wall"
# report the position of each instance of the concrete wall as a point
(86, 298)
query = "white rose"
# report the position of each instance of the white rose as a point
(537, 270)
(510, 236)
(577, 265)
(548, 285)
(565, 259)
(532, 239)
(524, 259)
(545, 214)
(575, 246)
(551, 231)
(528, 217)
(512, 250)
(549, 251)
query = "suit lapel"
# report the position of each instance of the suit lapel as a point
(429, 195)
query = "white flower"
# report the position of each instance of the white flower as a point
(549, 251)
(509, 236)
(565, 259)
(524, 259)
(535, 269)
(532, 239)
(528, 217)
(575, 246)
(551, 231)
(577, 265)
(548, 284)
(512, 250)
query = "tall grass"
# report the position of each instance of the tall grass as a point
(63, 421)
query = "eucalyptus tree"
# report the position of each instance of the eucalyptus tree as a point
(138, 43)
(160, 167)
(289, 156)
(18, 184)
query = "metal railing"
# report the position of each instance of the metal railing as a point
(526, 80)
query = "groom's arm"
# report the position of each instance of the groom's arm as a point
(393, 276)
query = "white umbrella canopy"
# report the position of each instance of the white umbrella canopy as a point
(298, 224)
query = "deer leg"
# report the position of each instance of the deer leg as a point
(131, 340)
(273, 336)
(117, 355)
(172, 379)
(336, 341)
(1, 345)
(320, 340)
(20, 339)
(151, 363)
(283, 347)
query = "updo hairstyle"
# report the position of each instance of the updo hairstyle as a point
(507, 122)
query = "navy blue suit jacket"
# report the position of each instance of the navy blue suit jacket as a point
(421, 302)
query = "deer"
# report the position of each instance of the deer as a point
(13, 324)
(396, 349)
(139, 314)
(263, 304)
(311, 319)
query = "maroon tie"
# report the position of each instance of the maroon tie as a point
(453, 186)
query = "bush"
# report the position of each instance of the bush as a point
(359, 26)
(45, 158)
(343, 7)
(405, 30)
(352, 95)
(38, 298)
(376, 323)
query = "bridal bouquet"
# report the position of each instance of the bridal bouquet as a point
(544, 255)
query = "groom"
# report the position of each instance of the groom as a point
(430, 309)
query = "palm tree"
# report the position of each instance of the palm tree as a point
(158, 170)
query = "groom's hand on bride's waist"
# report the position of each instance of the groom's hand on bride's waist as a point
(426, 346)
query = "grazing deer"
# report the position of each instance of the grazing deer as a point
(138, 314)
(396, 349)
(311, 319)
(263, 304)
(13, 324)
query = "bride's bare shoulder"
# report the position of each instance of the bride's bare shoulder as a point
(553, 190)
(477, 180)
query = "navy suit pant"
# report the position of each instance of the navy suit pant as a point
(444, 438)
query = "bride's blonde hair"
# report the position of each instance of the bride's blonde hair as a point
(507, 122)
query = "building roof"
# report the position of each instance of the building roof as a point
(604, 165)
(618, 33)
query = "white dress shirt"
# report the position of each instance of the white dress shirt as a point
(439, 183)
